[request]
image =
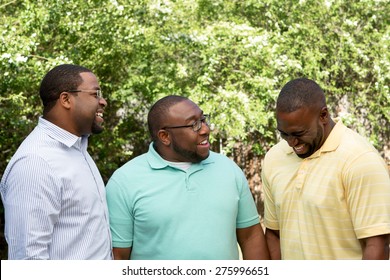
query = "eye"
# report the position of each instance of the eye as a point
(299, 134)
(283, 135)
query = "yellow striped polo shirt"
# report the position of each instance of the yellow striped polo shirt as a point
(324, 203)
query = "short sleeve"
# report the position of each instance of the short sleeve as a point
(367, 184)
(247, 211)
(120, 212)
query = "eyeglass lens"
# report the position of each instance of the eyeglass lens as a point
(198, 124)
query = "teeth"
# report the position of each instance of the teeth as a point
(99, 115)
(203, 142)
(300, 147)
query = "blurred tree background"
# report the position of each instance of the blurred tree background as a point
(230, 56)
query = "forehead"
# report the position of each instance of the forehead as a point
(297, 120)
(89, 79)
(185, 110)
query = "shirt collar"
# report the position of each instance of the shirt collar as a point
(334, 138)
(61, 135)
(157, 162)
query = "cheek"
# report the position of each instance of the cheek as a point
(310, 138)
(320, 131)
(182, 141)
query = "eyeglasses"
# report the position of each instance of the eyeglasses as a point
(196, 126)
(97, 91)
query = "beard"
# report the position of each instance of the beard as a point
(96, 129)
(191, 156)
(309, 152)
(316, 143)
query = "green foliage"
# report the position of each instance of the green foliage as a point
(232, 57)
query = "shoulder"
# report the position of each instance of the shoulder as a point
(354, 145)
(132, 167)
(278, 151)
(358, 141)
(30, 153)
(219, 158)
(222, 163)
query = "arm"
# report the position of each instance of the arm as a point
(252, 243)
(273, 241)
(375, 247)
(368, 183)
(271, 218)
(32, 206)
(121, 220)
(121, 253)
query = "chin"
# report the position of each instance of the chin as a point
(96, 129)
(204, 157)
(305, 155)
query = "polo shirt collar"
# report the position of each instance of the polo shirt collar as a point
(334, 138)
(154, 159)
(61, 135)
(157, 162)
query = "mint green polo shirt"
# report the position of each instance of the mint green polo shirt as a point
(163, 212)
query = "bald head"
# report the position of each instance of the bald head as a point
(300, 93)
(159, 111)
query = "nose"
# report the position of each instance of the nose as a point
(292, 140)
(102, 101)
(205, 129)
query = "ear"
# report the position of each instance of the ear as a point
(64, 100)
(164, 137)
(324, 115)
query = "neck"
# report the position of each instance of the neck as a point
(329, 127)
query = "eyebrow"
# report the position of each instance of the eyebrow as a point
(293, 133)
(194, 116)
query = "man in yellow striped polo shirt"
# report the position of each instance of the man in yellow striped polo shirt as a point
(327, 190)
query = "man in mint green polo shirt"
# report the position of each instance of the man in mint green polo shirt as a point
(180, 200)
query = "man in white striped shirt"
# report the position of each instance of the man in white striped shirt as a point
(53, 194)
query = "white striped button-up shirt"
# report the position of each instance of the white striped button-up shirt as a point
(54, 199)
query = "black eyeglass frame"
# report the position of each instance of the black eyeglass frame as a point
(98, 92)
(196, 125)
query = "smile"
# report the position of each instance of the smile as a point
(299, 148)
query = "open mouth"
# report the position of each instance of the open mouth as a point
(99, 115)
(299, 148)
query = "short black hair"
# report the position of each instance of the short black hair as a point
(59, 79)
(159, 111)
(298, 93)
